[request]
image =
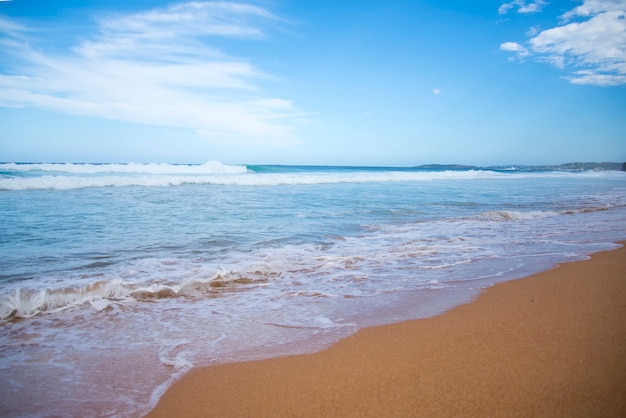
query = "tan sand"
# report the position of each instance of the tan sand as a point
(551, 345)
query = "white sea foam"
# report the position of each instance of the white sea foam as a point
(26, 302)
(162, 175)
(187, 276)
(514, 215)
(61, 182)
(321, 272)
(210, 167)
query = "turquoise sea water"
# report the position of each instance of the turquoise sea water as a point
(117, 278)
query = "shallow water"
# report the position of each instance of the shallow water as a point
(116, 279)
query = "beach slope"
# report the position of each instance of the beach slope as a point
(553, 344)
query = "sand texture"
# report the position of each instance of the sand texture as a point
(551, 345)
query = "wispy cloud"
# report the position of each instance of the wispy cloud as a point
(158, 67)
(521, 6)
(589, 42)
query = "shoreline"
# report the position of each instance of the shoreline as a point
(551, 344)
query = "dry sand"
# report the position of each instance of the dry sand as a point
(553, 344)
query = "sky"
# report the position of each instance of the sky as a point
(387, 82)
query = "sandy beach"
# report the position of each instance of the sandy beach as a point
(553, 344)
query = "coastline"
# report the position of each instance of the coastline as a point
(552, 344)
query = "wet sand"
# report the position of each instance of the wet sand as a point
(552, 345)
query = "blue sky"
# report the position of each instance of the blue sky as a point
(313, 82)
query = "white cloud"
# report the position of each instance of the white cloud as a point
(522, 6)
(157, 67)
(436, 91)
(592, 7)
(590, 77)
(514, 47)
(589, 42)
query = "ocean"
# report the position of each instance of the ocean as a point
(115, 279)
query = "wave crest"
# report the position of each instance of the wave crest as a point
(210, 167)
(514, 215)
(27, 303)
(70, 176)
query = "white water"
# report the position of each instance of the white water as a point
(108, 294)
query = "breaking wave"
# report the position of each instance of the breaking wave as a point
(27, 303)
(211, 167)
(514, 215)
(76, 176)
